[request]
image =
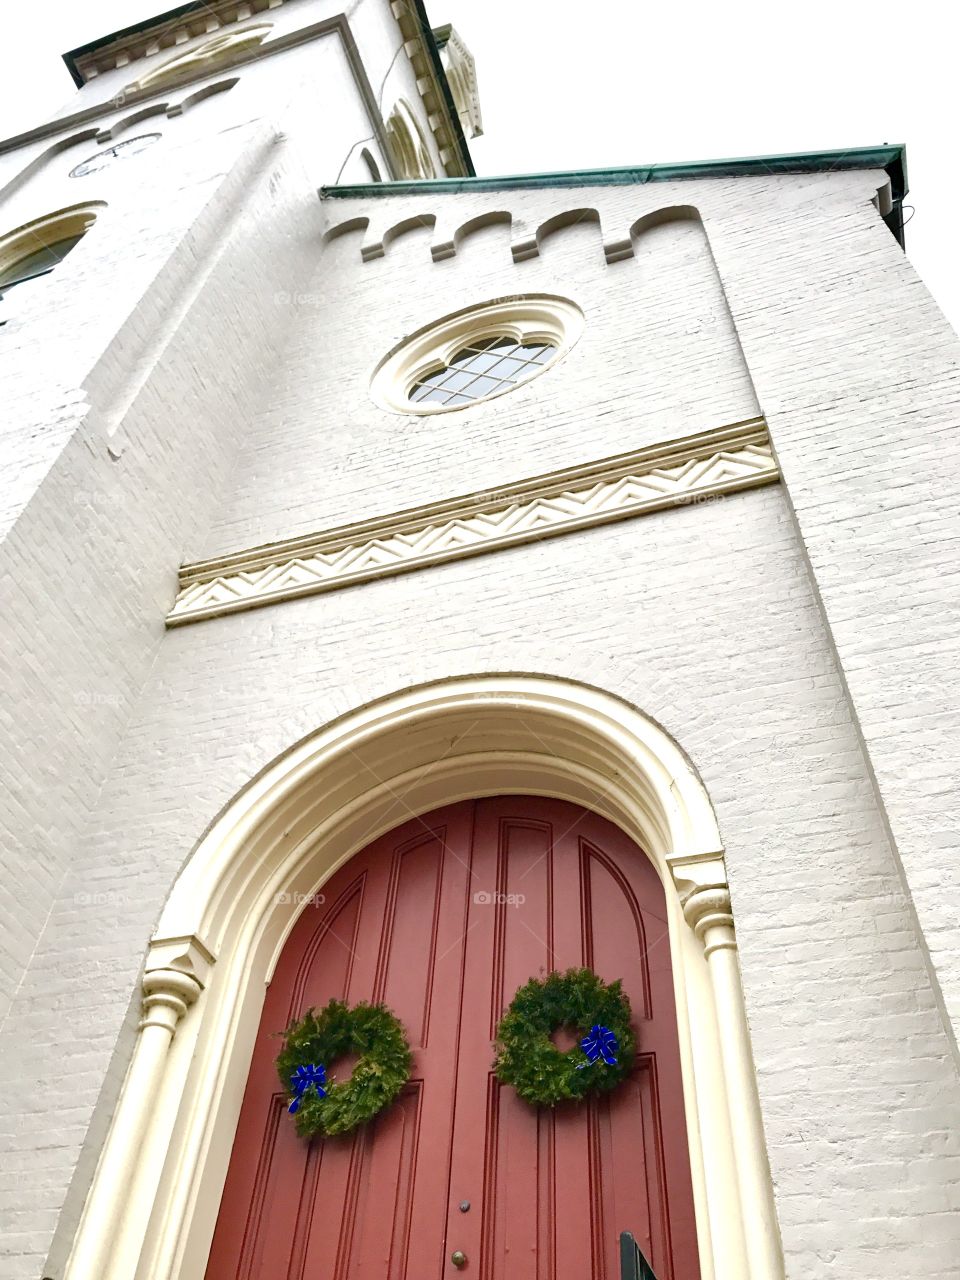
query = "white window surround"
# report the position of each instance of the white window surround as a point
(411, 155)
(532, 318)
(74, 220)
(152, 1208)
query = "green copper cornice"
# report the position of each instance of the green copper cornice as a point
(892, 159)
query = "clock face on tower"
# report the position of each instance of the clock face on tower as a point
(119, 151)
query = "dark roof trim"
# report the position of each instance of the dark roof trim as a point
(157, 20)
(892, 159)
(433, 49)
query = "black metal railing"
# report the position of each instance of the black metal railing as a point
(633, 1265)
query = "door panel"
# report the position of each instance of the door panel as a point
(443, 919)
(559, 1186)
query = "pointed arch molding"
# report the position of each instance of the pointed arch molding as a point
(695, 470)
(153, 1204)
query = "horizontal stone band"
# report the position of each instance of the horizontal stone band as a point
(672, 474)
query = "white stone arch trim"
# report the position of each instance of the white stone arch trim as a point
(533, 317)
(40, 233)
(451, 232)
(618, 239)
(667, 213)
(130, 121)
(373, 168)
(408, 143)
(107, 133)
(492, 218)
(44, 158)
(568, 218)
(201, 95)
(345, 228)
(415, 222)
(153, 1205)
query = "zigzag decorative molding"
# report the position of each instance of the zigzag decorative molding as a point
(687, 471)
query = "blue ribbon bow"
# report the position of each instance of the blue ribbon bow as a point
(302, 1079)
(599, 1042)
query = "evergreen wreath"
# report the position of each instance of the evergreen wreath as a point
(320, 1037)
(541, 1073)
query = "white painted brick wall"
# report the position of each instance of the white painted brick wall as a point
(857, 371)
(165, 317)
(706, 617)
(129, 377)
(648, 321)
(86, 569)
(859, 374)
(725, 648)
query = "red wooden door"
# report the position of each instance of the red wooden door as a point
(443, 919)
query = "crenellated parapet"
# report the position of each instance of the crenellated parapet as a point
(384, 223)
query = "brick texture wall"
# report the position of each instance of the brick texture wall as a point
(792, 639)
(705, 618)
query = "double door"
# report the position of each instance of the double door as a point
(443, 919)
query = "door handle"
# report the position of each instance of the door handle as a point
(458, 1258)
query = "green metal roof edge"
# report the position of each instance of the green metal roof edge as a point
(892, 159)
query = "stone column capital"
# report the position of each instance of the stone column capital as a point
(167, 994)
(708, 913)
(701, 881)
(175, 972)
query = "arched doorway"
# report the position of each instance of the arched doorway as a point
(153, 1204)
(443, 918)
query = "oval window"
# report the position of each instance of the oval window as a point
(477, 354)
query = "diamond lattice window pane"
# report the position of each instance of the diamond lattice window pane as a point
(478, 361)
(537, 354)
(480, 369)
(457, 379)
(508, 367)
(427, 392)
(482, 386)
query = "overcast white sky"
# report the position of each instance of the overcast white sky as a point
(567, 85)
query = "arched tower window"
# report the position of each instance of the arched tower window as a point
(372, 167)
(37, 248)
(411, 154)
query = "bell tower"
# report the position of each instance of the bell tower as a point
(149, 234)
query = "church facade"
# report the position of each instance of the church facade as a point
(418, 583)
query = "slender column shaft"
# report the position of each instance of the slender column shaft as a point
(707, 910)
(167, 994)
